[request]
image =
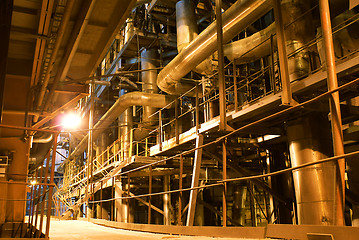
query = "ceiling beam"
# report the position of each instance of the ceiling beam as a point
(6, 7)
(72, 45)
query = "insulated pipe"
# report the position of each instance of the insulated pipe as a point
(122, 103)
(235, 19)
(186, 23)
(149, 59)
(43, 139)
(297, 34)
(309, 141)
(126, 122)
(250, 48)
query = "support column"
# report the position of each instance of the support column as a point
(239, 204)
(119, 206)
(309, 141)
(221, 79)
(195, 179)
(166, 201)
(335, 114)
(90, 150)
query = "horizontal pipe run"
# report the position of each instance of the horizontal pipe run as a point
(122, 103)
(251, 48)
(235, 19)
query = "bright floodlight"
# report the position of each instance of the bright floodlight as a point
(71, 121)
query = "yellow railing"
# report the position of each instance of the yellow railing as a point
(114, 153)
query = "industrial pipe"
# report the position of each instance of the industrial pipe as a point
(235, 19)
(126, 124)
(309, 141)
(122, 103)
(149, 60)
(250, 48)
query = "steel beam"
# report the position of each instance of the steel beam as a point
(282, 53)
(72, 46)
(195, 180)
(90, 147)
(335, 113)
(6, 7)
(221, 79)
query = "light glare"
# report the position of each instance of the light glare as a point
(71, 121)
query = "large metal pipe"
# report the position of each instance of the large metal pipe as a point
(298, 33)
(250, 48)
(149, 60)
(122, 103)
(309, 141)
(186, 23)
(235, 19)
(126, 123)
(187, 30)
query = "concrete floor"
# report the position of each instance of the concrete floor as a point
(72, 229)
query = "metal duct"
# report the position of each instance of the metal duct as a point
(235, 19)
(309, 141)
(149, 60)
(251, 48)
(122, 103)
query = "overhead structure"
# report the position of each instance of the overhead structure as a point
(213, 118)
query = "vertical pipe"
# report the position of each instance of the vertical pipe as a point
(160, 130)
(126, 123)
(224, 160)
(44, 193)
(221, 82)
(33, 203)
(128, 200)
(282, 53)
(235, 89)
(90, 147)
(176, 121)
(149, 191)
(309, 141)
(272, 77)
(335, 114)
(52, 175)
(166, 201)
(38, 196)
(5, 19)
(239, 203)
(197, 108)
(180, 194)
(149, 60)
(252, 204)
(186, 23)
